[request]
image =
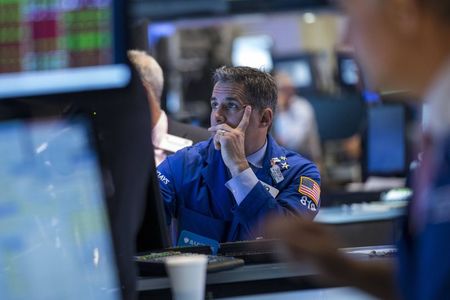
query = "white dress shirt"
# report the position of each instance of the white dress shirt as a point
(241, 185)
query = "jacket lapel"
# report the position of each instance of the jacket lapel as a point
(215, 174)
(273, 150)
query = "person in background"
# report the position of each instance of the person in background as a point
(295, 125)
(223, 188)
(401, 44)
(168, 135)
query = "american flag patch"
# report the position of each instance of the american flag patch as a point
(310, 188)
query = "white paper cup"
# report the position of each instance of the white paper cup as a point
(187, 276)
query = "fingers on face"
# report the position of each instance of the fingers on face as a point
(221, 132)
(245, 119)
(218, 127)
(224, 132)
(242, 126)
(217, 145)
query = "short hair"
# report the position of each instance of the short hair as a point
(259, 85)
(149, 71)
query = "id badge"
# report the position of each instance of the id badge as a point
(188, 238)
(276, 174)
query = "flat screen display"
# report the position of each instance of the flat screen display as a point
(386, 149)
(349, 72)
(253, 51)
(54, 233)
(301, 68)
(59, 46)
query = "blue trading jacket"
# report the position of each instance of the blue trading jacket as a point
(192, 183)
(424, 262)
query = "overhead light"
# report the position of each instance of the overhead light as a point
(309, 18)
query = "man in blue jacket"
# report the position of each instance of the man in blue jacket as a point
(221, 189)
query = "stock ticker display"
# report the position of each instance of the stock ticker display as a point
(55, 34)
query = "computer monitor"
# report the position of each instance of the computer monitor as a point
(299, 68)
(55, 239)
(154, 232)
(253, 51)
(385, 141)
(348, 72)
(49, 47)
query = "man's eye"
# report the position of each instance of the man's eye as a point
(232, 106)
(214, 105)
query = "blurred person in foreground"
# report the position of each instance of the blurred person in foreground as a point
(401, 44)
(168, 135)
(295, 125)
(223, 188)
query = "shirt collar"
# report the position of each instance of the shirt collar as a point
(256, 159)
(437, 112)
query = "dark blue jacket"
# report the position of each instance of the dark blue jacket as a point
(424, 256)
(192, 183)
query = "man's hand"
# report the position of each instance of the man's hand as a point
(306, 240)
(231, 142)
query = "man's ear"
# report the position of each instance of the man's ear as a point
(266, 118)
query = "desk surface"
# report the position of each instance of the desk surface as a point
(365, 212)
(339, 293)
(246, 273)
(257, 278)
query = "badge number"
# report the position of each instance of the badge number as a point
(308, 203)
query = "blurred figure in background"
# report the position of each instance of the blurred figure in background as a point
(168, 136)
(295, 125)
(401, 44)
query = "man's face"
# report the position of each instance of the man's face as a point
(228, 102)
(380, 48)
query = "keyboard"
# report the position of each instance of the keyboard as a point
(252, 252)
(152, 264)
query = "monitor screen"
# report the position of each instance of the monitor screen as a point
(385, 140)
(298, 68)
(349, 76)
(61, 46)
(349, 72)
(54, 232)
(253, 51)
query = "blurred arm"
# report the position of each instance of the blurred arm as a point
(305, 240)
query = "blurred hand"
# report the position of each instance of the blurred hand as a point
(231, 142)
(306, 240)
